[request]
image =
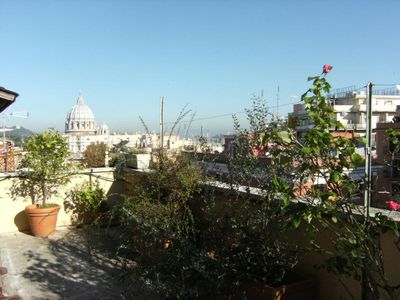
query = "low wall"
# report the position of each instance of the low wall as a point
(327, 285)
(12, 214)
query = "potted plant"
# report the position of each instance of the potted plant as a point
(157, 228)
(138, 158)
(247, 227)
(124, 156)
(44, 169)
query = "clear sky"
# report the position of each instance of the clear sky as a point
(123, 55)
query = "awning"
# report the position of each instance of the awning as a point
(7, 97)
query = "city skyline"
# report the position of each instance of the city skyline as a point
(212, 55)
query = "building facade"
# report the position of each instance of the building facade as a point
(349, 106)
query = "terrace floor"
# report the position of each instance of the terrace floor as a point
(71, 264)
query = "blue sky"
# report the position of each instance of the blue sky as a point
(123, 55)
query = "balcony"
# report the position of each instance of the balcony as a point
(375, 108)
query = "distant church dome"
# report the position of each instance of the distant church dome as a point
(80, 119)
(103, 129)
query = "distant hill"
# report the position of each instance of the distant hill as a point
(18, 135)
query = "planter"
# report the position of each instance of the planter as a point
(298, 290)
(302, 289)
(42, 220)
(138, 161)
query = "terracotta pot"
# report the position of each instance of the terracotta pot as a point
(303, 289)
(42, 220)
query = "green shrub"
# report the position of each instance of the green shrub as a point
(87, 201)
(158, 227)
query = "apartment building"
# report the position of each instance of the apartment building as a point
(349, 105)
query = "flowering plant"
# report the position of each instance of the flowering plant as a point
(393, 205)
(358, 245)
(326, 69)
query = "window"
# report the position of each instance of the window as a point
(388, 102)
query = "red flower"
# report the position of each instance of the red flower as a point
(326, 69)
(393, 205)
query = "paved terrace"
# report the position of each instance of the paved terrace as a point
(67, 265)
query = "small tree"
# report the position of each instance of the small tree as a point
(95, 155)
(45, 167)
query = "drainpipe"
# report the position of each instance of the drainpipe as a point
(368, 177)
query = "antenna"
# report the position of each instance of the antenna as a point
(19, 114)
(277, 102)
(161, 123)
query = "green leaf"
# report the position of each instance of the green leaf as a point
(296, 222)
(356, 158)
(308, 217)
(334, 219)
(335, 176)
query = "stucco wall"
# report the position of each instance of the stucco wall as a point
(12, 214)
(327, 285)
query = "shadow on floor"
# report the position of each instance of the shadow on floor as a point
(79, 265)
(21, 221)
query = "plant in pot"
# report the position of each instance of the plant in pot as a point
(138, 158)
(157, 228)
(44, 168)
(247, 232)
(123, 156)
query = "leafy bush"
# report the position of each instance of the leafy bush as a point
(247, 233)
(159, 229)
(87, 201)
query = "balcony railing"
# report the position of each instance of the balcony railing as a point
(350, 91)
(357, 126)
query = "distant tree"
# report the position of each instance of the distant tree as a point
(95, 155)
